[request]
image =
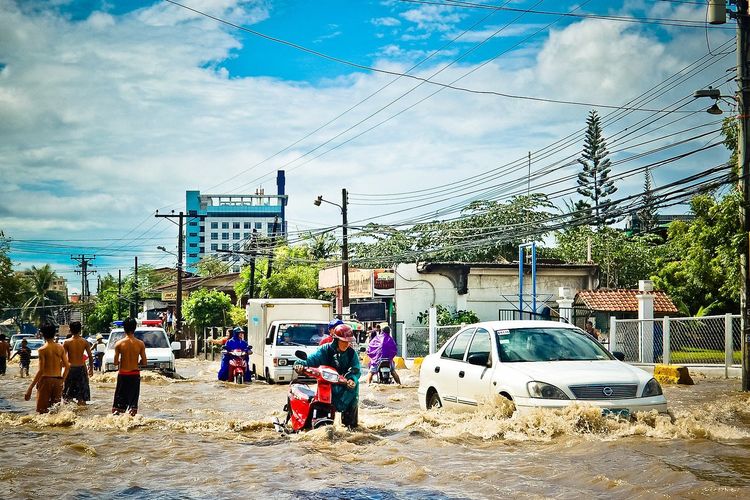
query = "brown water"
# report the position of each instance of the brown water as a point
(200, 438)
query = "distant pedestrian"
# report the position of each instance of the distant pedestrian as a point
(24, 355)
(100, 347)
(53, 368)
(77, 382)
(170, 320)
(4, 353)
(130, 355)
(591, 331)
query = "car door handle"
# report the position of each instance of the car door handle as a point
(437, 369)
(461, 374)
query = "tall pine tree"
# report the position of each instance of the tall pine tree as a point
(647, 216)
(594, 182)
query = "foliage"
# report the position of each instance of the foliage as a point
(322, 246)
(647, 216)
(486, 231)
(207, 308)
(37, 284)
(294, 274)
(700, 267)
(622, 260)
(10, 284)
(594, 182)
(242, 287)
(100, 312)
(237, 316)
(210, 266)
(446, 317)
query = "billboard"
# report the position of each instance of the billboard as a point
(368, 311)
(383, 282)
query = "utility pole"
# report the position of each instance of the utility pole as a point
(178, 307)
(344, 253)
(119, 294)
(717, 14)
(273, 241)
(134, 309)
(252, 253)
(83, 263)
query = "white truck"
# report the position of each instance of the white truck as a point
(276, 328)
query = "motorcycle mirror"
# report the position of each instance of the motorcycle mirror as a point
(300, 354)
(362, 349)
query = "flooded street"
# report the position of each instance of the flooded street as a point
(198, 438)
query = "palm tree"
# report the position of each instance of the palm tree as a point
(37, 284)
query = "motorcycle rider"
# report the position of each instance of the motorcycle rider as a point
(340, 355)
(382, 347)
(233, 344)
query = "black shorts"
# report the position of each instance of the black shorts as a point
(127, 392)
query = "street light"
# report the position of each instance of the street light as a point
(344, 246)
(165, 250)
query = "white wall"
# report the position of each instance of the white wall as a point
(417, 292)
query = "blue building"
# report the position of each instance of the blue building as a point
(228, 221)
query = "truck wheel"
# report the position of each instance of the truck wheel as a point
(268, 377)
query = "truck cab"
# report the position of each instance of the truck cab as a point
(283, 339)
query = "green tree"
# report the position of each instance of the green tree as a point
(101, 311)
(322, 246)
(237, 316)
(294, 274)
(37, 285)
(10, 284)
(648, 216)
(242, 287)
(446, 317)
(594, 182)
(207, 308)
(210, 266)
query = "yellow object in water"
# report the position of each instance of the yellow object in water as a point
(417, 364)
(672, 374)
(399, 362)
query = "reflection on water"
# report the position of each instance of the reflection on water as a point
(195, 434)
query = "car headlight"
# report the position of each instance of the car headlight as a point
(652, 388)
(545, 391)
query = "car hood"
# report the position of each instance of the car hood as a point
(152, 353)
(569, 373)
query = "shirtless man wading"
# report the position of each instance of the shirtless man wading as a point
(49, 379)
(77, 383)
(127, 354)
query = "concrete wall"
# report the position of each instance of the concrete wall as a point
(489, 290)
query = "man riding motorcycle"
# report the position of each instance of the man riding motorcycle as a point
(340, 355)
(233, 344)
(382, 347)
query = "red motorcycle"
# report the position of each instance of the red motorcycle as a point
(306, 408)
(237, 366)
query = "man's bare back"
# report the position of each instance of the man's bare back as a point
(53, 364)
(74, 347)
(127, 352)
(4, 349)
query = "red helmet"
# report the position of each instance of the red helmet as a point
(343, 332)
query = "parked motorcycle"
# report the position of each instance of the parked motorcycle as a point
(306, 408)
(383, 375)
(237, 366)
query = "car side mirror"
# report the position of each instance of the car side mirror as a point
(269, 341)
(479, 359)
(619, 355)
(176, 346)
(301, 355)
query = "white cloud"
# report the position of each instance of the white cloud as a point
(385, 21)
(433, 17)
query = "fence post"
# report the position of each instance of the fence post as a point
(728, 344)
(612, 334)
(404, 352)
(432, 332)
(666, 342)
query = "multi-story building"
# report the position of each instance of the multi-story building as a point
(60, 284)
(227, 222)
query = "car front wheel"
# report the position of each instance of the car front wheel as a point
(433, 401)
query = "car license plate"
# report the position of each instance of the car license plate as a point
(616, 412)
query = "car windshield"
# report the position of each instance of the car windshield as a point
(31, 344)
(301, 333)
(152, 338)
(547, 344)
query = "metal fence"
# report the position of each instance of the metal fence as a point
(415, 342)
(708, 340)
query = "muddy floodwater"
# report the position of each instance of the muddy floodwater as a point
(199, 438)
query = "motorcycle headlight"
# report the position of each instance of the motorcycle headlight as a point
(330, 377)
(542, 390)
(652, 388)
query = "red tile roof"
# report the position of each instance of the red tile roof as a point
(623, 300)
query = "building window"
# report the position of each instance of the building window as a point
(236, 269)
(235, 236)
(270, 230)
(192, 212)
(258, 225)
(201, 250)
(224, 236)
(235, 225)
(214, 236)
(193, 255)
(193, 223)
(202, 239)
(225, 246)
(192, 235)
(214, 247)
(225, 225)
(193, 245)
(246, 236)
(214, 225)
(236, 246)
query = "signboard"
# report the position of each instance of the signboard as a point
(172, 296)
(360, 286)
(368, 311)
(383, 282)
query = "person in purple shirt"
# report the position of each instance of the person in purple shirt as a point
(382, 347)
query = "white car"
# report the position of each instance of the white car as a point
(535, 364)
(31, 343)
(158, 349)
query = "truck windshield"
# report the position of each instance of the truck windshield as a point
(152, 338)
(301, 333)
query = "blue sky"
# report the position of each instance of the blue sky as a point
(111, 110)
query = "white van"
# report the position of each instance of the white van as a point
(159, 351)
(279, 327)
